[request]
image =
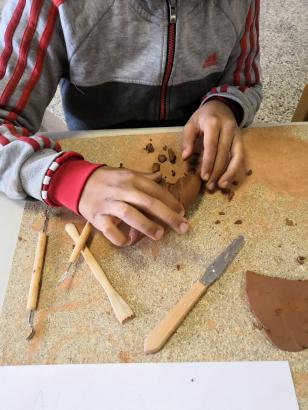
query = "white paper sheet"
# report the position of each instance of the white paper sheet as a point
(149, 386)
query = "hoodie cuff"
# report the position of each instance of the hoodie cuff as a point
(67, 183)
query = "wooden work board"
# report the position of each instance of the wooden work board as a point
(78, 325)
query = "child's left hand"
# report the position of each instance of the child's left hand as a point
(223, 155)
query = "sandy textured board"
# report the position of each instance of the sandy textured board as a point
(79, 327)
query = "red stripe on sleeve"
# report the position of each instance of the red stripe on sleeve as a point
(254, 65)
(34, 144)
(36, 72)
(23, 52)
(3, 140)
(237, 72)
(8, 35)
(251, 49)
(46, 141)
(58, 3)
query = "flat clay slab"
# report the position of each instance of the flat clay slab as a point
(280, 307)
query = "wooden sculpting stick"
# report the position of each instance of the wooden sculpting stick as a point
(80, 244)
(121, 309)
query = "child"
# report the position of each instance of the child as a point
(123, 64)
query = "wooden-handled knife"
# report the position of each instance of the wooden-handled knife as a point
(164, 330)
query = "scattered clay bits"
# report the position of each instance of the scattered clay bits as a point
(238, 222)
(217, 222)
(173, 173)
(280, 307)
(156, 167)
(165, 147)
(230, 195)
(149, 148)
(221, 213)
(121, 165)
(249, 172)
(178, 267)
(162, 158)
(289, 222)
(172, 156)
(301, 260)
(235, 183)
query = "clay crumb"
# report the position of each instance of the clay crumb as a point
(173, 173)
(279, 246)
(19, 238)
(238, 222)
(230, 195)
(165, 148)
(235, 183)
(301, 260)
(221, 213)
(249, 172)
(156, 167)
(217, 222)
(257, 326)
(162, 158)
(178, 267)
(172, 156)
(121, 165)
(149, 148)
(289, 222)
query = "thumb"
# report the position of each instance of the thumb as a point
(190, 133)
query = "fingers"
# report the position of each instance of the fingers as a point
(154, 190)
(222, 159)
(107, 225)
(210, 144)
(190, 133)
(135, 219)
(236, 167)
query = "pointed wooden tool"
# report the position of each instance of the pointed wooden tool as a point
(121, 309)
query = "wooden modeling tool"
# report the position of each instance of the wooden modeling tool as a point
(80, 244)
(164, 330)
(35, 283)
(121, 309)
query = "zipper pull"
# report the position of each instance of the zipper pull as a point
(172, 11)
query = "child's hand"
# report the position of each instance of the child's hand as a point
(113, 194)
(223, 155)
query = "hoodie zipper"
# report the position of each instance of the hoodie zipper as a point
(169, 59)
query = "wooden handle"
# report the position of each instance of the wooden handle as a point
(121, 309)
(80, 244)
(37, 271)
(162, 332)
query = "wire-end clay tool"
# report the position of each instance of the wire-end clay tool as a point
(35, 283)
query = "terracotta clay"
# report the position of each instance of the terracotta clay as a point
(280, 307)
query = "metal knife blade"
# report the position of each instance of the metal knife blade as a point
(216, 269)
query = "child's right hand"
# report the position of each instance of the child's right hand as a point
(113, 194)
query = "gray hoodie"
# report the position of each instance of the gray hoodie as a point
(120, 63)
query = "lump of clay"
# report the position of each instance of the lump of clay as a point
(186, 189)
(280, 307)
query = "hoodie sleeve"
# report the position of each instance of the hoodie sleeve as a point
(32, 61)
(240, 82)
